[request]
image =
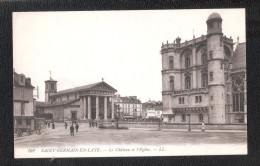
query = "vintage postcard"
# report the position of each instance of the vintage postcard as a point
(129, 83)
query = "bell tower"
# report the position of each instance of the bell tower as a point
(216, 86)
(50, 88)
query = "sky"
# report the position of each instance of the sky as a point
(123, 47)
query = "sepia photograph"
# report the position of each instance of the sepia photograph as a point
(129, 83)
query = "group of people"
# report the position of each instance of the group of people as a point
(72, 127)
(92, 124)
(46, 123)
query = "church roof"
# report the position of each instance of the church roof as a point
(51, 80)
(60, 103)
(85, 87)
(240, 56)
(214, 16)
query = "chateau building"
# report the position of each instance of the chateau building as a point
(204, 79)
(23, 101)
(91, 102)
(129, 106)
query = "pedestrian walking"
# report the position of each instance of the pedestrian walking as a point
(48, 124)
(89, 123)
(53, 125)
(203, 127)
(77, 127)
(72, 130)
(65, 125)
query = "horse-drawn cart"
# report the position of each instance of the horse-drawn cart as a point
(28, 125)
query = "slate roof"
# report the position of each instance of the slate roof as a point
(16, 82)
(240, 56)
(60, 103)
(214, 16)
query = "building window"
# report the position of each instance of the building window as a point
(187, 82)
(200, 118)
(187, 62)
(52, 86)
(204, 59)
(28, 121)
(183, 118)
(75, 95)
(211, 54)
(211, 76)
(22, 109)
(204, 80)
(171, 83)
(210, 25)
(238, 94)
(19, 121)
(198, 99)
(212, 107)
(170, 62)
(181, 100)
(22, 79)
(211, 97)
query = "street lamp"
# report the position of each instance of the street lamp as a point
(117, 115)
(189, 100)
(189, 129)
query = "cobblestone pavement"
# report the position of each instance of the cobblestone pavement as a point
(59, 137)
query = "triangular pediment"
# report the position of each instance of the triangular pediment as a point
(102, 86)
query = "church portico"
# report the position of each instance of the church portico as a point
(94, 102)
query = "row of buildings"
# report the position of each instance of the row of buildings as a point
(96, 101)
(203, 79)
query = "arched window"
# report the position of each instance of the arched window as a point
(170, 62)
(200, 118)
(204, 59)
(187, 62)
(211, 76)
(204, 80)
(187, 82)
(171, 83)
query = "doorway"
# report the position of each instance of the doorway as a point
(73, 115)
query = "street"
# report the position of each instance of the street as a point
(59, 137)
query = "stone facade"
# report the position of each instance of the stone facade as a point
(129, 107)
(23, 110)
(204, 80)
(90, 102)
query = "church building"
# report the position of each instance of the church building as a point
(90, 102)
(204, 79)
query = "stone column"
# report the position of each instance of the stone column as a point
(84, 107)
(105, 108)
(112, 108)
(97, 108)
(89, 107)
(194, 72)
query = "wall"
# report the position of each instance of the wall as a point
(155, 125)
(56, 111)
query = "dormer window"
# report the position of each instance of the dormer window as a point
(22, 79)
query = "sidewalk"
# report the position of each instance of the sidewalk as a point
(185, 130)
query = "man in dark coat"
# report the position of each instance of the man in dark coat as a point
(65, 125)
(77, 127)
(53, 125)
(72, 130)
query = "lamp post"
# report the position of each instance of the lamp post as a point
(189, 100)
(189, 129)
(117, 115)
